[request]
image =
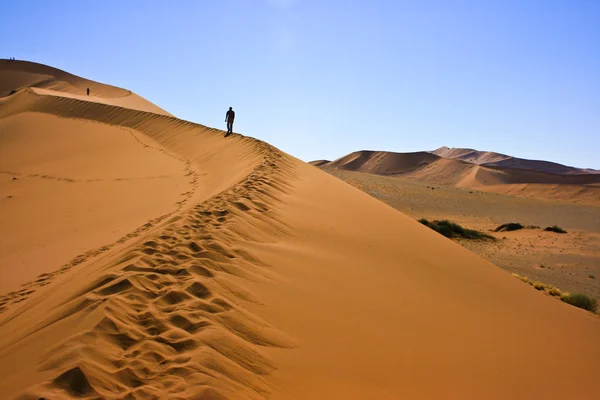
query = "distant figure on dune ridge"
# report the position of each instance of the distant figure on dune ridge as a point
(229, 117)
(88, 91)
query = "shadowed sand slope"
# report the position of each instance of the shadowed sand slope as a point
(17, 75)
(272, 279)
(69, 185)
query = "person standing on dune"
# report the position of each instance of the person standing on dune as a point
(229, 117)
(88, 91)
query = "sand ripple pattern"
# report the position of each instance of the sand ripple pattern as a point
(169, 315)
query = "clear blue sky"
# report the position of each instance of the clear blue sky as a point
(322, 78)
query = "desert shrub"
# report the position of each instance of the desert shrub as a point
(575, 299)
(580, 300)
(552, 291)
(523, 278)
(555, 228)
(452, 230)
(511, 226)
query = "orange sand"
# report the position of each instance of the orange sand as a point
(267, 279)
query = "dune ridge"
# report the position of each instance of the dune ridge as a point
(273, 279)
(164, 302)
(17, 75)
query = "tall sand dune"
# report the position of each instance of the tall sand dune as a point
(268, 279)
(16, 75)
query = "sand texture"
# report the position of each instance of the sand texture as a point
(204, 267)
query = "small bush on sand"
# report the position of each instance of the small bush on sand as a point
(452, 230)
(511, 226)
(523, 278)
(555, 228)
(580, 300)
(575, 299)
(552, 291)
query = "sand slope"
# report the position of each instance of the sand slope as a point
(272, 279)
(69, 185)
(16, 75)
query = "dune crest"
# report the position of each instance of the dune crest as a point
(17, 75)
(270, 279)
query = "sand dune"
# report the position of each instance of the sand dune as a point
(427, 167)
(492, 159)
(68, 185)
(319, 163)
(382, 162)
(17, 75)
(268, 279)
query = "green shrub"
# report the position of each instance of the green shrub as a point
(511, 226)
(580, 300)
(555, 228)
(452, 230)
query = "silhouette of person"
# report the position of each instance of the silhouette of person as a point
(229, 117)
(88, 91)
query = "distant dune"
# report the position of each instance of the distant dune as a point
(18, 75)
(318, 163)
(382, 162)
(148, 257)
(491, 159)
(453, 170)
